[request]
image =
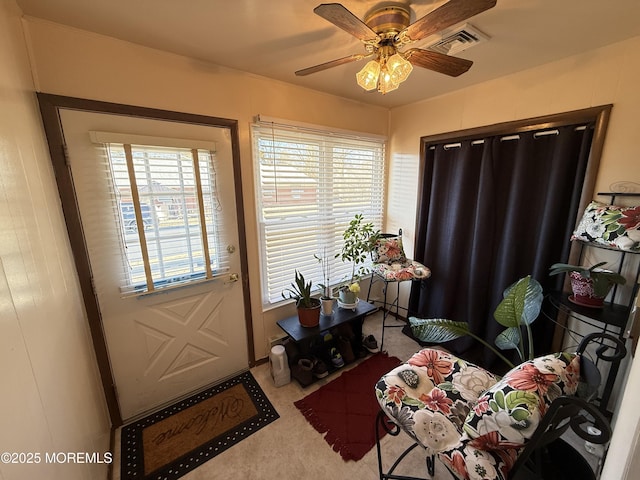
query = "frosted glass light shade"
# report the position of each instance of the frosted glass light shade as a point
(398, 68)
(367, 78)
(386, 82)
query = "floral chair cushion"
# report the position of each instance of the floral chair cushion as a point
(429, 396)
(397, 272)
(388, 249)
(611, 226)
(476, 460)
(475, 424)
(512, 408)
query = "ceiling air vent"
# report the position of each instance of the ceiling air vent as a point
(458, 39)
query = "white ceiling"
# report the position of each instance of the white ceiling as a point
(274, 38)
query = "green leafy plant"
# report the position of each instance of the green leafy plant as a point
(359, 241)
(601, 279)
(326, 274)
(518, 309)
(300, 291)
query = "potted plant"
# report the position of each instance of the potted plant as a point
(348, 294)
(518, 309)
(308, 306)
(359, 240)
(326, 298)
(590, 285)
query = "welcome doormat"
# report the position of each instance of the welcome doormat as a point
(179, 438)
(346, 408)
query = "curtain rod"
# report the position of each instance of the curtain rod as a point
(536, 135)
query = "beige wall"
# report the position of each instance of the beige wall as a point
(76, 63)
(603, 76)
(52, 399)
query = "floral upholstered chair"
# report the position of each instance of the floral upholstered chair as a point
(473, 422)
(391, 265)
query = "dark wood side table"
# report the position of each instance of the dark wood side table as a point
(308, 338)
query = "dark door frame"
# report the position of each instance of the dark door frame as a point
(50, 106)
(599, 115)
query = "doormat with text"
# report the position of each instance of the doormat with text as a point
(169, 443)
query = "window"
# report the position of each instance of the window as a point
(165, 203)
(310, 184)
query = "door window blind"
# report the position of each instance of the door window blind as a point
(164, 200)
(310, 184)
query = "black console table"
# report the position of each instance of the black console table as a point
(298, 333)
(304, 337)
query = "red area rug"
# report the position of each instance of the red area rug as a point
(346, 408)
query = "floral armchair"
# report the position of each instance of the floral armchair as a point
(474, 423)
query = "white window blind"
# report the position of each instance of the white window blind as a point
(164, 202)
(310, 184)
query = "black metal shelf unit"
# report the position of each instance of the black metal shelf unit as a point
(613, 317)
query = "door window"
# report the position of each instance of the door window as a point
(168, 214)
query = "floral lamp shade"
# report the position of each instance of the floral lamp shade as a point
(610, 226)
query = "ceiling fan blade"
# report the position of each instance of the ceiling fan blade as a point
(450, 13)
(332, 63)
(343, 18)
(438, 62)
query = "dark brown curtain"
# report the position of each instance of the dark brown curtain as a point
(490, 213)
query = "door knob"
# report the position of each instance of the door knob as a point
(234, 277)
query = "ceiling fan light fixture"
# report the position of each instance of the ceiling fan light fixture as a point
(385, 73)
(389, 28)
(367, 78)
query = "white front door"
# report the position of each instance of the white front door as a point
(174, 341)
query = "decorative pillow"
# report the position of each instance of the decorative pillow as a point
(512, 408)
(389, 250)
(611, 226)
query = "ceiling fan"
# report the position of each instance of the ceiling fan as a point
(386, 30)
